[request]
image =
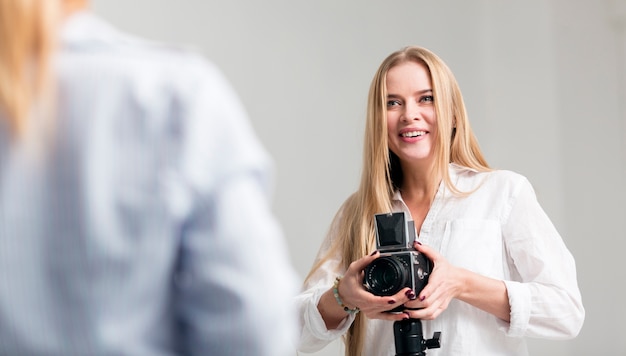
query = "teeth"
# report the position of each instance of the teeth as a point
(413, 133)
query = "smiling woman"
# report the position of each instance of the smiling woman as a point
(490, 286)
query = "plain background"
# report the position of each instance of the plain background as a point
(544, 82)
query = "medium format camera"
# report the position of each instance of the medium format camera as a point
(399, 264)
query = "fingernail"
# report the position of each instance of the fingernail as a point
(417, 242)
(422, 298)
(373, 253)
(406, 316)
(391, 302)
(410, 294)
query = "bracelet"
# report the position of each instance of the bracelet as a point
(338, 299)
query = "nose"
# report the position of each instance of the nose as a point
(411, 111)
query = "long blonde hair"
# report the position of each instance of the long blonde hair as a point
(27, 40)
(381, 174)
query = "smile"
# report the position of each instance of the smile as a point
(413, 133)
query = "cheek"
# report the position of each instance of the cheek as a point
(392, 122)
(392, 138)
(432, 118)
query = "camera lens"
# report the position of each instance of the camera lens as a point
(386, 276)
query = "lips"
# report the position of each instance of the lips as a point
(411, 134)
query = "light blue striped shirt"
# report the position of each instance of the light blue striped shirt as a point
(146, 229)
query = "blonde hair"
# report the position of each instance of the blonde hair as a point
(27, 40)
(382, 174)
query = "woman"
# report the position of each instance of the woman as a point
(501, 272)
(130, 179)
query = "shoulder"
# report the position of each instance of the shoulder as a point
(347, 209)
(91, 45)
(146, 77)
(506, 177)
(499, 180)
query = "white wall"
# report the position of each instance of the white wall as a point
(544, 82)
(589, 75)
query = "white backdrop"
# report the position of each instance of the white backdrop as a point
(544, 83)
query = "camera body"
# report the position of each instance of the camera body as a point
(399, 264)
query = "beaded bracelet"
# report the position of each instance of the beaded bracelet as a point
(338, 299)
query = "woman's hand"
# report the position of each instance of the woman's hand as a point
(353, 293)
(445, 283)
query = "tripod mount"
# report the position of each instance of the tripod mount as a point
(409, 338)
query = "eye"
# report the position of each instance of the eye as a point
(393, 102)
(427, 99)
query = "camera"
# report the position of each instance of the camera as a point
(399, 264)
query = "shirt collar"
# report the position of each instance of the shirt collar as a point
(85, 28)
(454, 170)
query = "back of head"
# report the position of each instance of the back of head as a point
(27, 35)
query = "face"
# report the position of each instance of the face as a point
(411, 121)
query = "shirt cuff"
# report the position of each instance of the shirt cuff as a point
(315, 323)
(519, 300)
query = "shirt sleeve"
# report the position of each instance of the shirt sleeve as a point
(235, 284)
(313, 332)
(543, 293)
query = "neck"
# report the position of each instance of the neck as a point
(419, 174)
(422, 191)
(420, 183)
(72, 6)
(418, 192)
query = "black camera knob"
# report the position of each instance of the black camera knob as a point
(434, 343)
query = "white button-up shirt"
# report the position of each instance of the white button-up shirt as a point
(499, 231)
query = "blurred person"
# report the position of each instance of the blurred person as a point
(134, 198)
(501, 271)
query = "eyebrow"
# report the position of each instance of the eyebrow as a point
(419, 92)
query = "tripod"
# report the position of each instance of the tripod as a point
(409, 338)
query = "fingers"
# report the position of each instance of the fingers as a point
(389, 308)
(428, 310)
(424, 314)
(379, 307)
(429, 252)
(354, 274)
(354, 293)
(376, 304)
(360, 264)
(383, 307)
(423, 309)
